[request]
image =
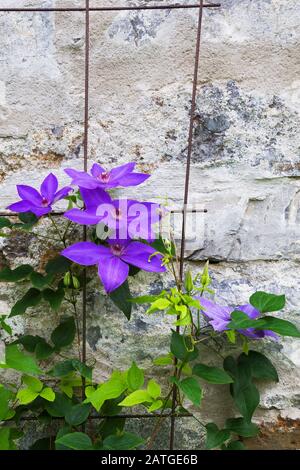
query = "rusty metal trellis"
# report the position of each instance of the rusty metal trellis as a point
(86, 10)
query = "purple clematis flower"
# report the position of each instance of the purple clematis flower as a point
(113, 261)
(127, 218)
(101, 178)
(220, 317)
(40, 203)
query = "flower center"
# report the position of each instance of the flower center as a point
(45, 202)
(117, 214)
(104, 176)
(117, 250)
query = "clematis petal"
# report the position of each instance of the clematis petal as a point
(63, 192)
(29, 194)
(96, 170)
(82, 179)
(82, 217)
(249, 310)
(92, 198)
(112, 272)
(85, 253)
(139, 254)
(219, 324)
(120, 171)
(49, 187)
(271, 334)
(252, 333)
(215, 311)
(21, 206)
(39, 211)
(133, 179)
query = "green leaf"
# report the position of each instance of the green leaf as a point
(212, 375)
(43, 350)
(28, 218)
(163, 360)
(84, 370)
(110, 426)
(15, 275)
(64, 334)
(5, 326)
(191, 389)
(135, 377)
(48, 394)
(5, 397)
(156, 405)
(159, 304)
(214, 436)
(282, 327)
(30, 299)
(179, 348)
(32, 383)
(231, 335)
(58, 265)
(261, 366)
(29, 342)
(160, 246)
(126, 441)
(242, 427)
(26, 395)
(241, 321)
(143, 299)
(5, 222)
(137, 397)
(16, 359)
(60, 406)
(63, 368)
(54, 297)
(265, 302)
(5, 443)
(234, 445)
(78, 414)
(75, 441)
(230, 365)
(121, 298)
(113, 388)
(154, 389)
(243, 391)
(39, 281)
(42, 444)
(35, 344)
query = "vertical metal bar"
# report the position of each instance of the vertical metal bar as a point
(85, 163)
(186, 195)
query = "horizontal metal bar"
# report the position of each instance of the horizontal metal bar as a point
(188, 211)
(132, 8)
(174, 211)
(14, 214)
(134, 416)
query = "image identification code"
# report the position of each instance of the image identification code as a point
(149, 459)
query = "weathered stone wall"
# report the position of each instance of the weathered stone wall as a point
(246, 168)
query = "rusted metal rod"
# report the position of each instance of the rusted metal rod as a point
(61, 213)
(125, 416)
(186, 196)
(85, 165)
(129, 8)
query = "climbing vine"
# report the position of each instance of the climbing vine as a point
(49, 379)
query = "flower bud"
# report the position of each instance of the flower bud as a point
(67, 279)
(76, 283)
(205, 278)
(188, 283)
